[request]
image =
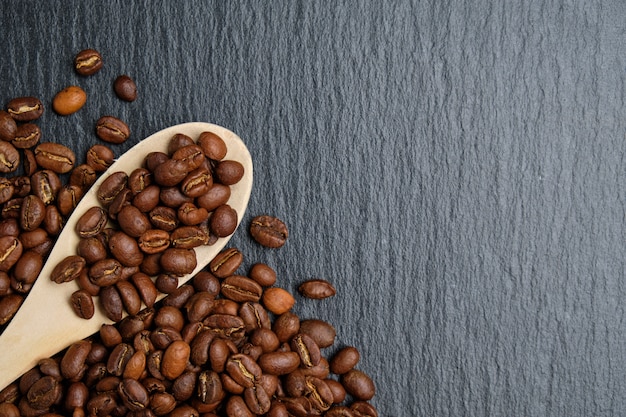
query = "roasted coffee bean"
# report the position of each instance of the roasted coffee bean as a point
(125, 249)
(26, 136)
(45, 184)
(43, 393)
(257, 400)
(111, 129)
(263, 274)
(111, 303)
(83, 176)
(33, 238)
(9, 227)
(73, 361)
(307, 349)
(178, 141)
(154, 159)
(178, 261)
(340, 411)
(101, 405)
(217, 195)
(243, 369)
(190, 155)
(317, 289)
(363, 409)
(224, 221)
(279, 363)
(27, 268)
(190, 215)
(358, 384)
(88, 62)
(134, 395)
(5, 284)
(162, 403)
(130, 297)
(163, 218)
(91, 249)
(138, 180)
(179, 297)
(229, 172)
(121, 200)
(175, 359)
(125, 88)
(169, 316)
(25, 109)
(166, 283)
(100, 157)
(338, 391)
(147, 199)
(55, 157)
(77, 396)
(344, 360)
(6, 190)
(170, 172)
(69, 100)
(68, 198)
(241, 289)
(68, 269)
(199, 306)
(162, 337)
(226, 262)
(236, 406)
(9, 304)
(8, 127)
(173, 197)
(225, 325)
(9, 157)
(322, 332)
(254, 316)
(209, 387)
(184, 386)
(29, 163)
(32, 212)
(204, 281)
(111, 187)
(198, 182)
(92, 222)
(119, 357)
(188, 237)
(132, 221)
(12, 208)
(265, 338)
(145, 287)
(269, 231)
(82, 304)
(22, 185)
(154, 241)
(277, 300)
(212, 145)
(105, 272)
(286, 326)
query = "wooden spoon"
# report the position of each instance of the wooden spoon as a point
(45, 324)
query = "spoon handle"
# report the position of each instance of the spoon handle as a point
(45, 323)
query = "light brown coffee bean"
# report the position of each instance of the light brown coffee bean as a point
(69, 100)
(277, 300)
(175, 359)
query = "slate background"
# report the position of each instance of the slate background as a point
(455, 168)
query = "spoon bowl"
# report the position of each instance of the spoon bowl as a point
(45, 323)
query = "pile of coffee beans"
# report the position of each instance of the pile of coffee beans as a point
(148, 223)
(223, 344)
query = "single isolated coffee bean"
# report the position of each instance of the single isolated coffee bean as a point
(317, 289)
(111, 129)
(69, 100)
(269, 231)
(125, 88)
(88, 62)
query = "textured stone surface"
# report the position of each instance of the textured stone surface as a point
(455, 168)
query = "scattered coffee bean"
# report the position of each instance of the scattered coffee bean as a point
(88, 62)
(69, 100)
(55, 157)
(317, 289)
(8, 127)
(269, 231)
(125, 88)
(111, 129)
(26, 136)
(25, 109)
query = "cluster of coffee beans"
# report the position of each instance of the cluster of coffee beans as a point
(42, 182)
(148, 223)
(223, 344)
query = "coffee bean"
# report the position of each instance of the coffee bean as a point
(358, 384)
(212, 145)
(269, 231)
(344, 360)
(26, 136)
(125, 88)
(82, 304)
(172, 197)
(241, 289)
(134, 396)
(226, 262)
(154, 241)
(364, 409)
(125, 249)
(88, 62)
(307, 349)
(317, 289)
(188, 237)
(190, 215)
(322, 332)
(105, 272)
(286, 326)
(229, 172)
(132, 221)
(92, 222)
(223, 222)
(32, 212)
(217, 195)
(68, 198)
(164, 218)
(278, 300)
(170, 173)
(111, 129)
(279, 363)
(100, 157)
(130, 297)
(43, 393)
(69, 100)
(9, 157)
(73, 361)
(27, 268)
(8, 127)
(25, 109)
(178, 261)
(175, 359)
(119, 357)
(9, 304)
(254, 316)
(68, 269)
(45, 184)
(55, 157)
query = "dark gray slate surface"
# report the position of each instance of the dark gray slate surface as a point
(455, 168)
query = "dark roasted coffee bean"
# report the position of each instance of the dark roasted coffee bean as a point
(199, 347)
(184, 386)
(9, 227)
(9, 304)
(55, 157)
(198, 306)
(317, 289)
(53, 222)
(9, 157)
(43, 393)
(279, 363)
(29, 162)
(243, 369)
(225, 325)
(217, 195)
(22, 185)
(226, 262)
(33, 238)
(257, 399)
(154, 241)
(121, 200)
(145, 287)
(204, 281)
(132, 221)
(133, 394)
(307, 349)
(338, 391)
(229, 172)
(178, 261)
(68, 198)
(82, 304)
(68, 269)
(26, 136)
(263, 274)
(76, 396)
(88, 62)
(169, 316)
(179, 297)
(45, 184)
(92, 222)
(162, 403)
(33, 212)
(339, 411)
(83, 176)
(209, 387)
(265, 338)
(8, 127)
(170, 172)
(286, 326)
(111, 303)
(6, 190)
(147, 199)
(164, 218)
(125, 249)
(166, 283)
(100, 157)
(363, 409)
(236, 406)
(101, 405)
(358, 384)
(130, 297)
(105, 272)
(125, 88)
(73, 361)
(224, 221)
(241, 289)
(212, 145)
(91, 249)
(188, 237)
(173, 197)
(27, 268)
(119, 357)
(254, 316)
(344, 360)
(154, 159)
(322, 332)
(111, 187)
(138, 180)
(269, 231)
(190, 155)
(189, 214)
(111, 129)
(25, 109)
(178, 141)
(198, 182)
